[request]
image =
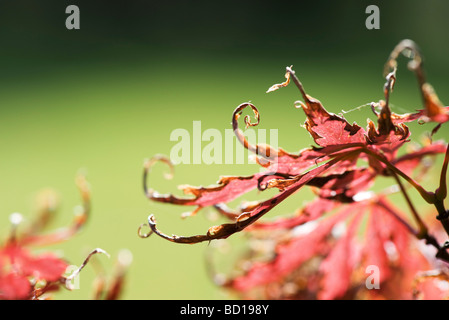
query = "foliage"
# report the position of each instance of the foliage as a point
(24, 275)
(323, 250)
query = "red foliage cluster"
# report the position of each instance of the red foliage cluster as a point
(24, 275)
(324, 250)
(27, 276)
(18, 266)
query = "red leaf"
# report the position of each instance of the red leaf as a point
(374, 249)
(45, 266)
(289, 256)
(223, 231)
(292, 164)
(328, 129)
(408, 162)
(310, 212)
(338, 266)
(343, 187)
(14, 287)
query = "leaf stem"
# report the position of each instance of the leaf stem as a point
(422, 227)
(428, 196)
(443, 215)
(298, 83)
(441, 254)
(441, 192)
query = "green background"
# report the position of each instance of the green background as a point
(107, 96)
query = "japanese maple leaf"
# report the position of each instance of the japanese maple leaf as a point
(24, 275)
(338, 142)
(388, 245)
(348, 226)
(279, 164)
(14, 287)
(21, 266)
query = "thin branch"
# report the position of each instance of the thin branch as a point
(429, 197)
(441, 254)
(441, 192)
(298, 83)
(422, 227)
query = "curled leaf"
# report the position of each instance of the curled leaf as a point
(433, 108)
(280, 85)
(69, 279)
(264, 151)
(81, 215)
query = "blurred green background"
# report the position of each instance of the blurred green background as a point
(107, 96)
